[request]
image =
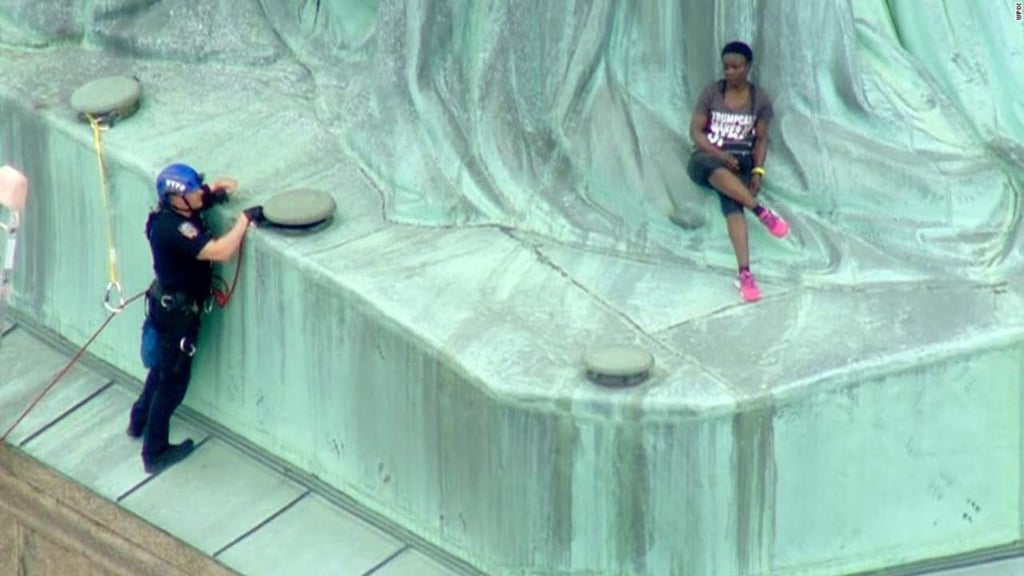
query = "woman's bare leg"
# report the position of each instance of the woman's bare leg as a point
(730, 184)
(736, 223)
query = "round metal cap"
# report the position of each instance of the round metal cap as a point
(618, 365)
(112, 94)
(300, 208)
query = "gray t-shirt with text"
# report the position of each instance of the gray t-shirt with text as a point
(732, 129)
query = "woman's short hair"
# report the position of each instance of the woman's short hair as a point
(740, 48)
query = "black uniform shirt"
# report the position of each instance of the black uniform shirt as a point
(176, 241)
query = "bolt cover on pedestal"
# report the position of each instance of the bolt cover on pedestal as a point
(107, 99)
(618, 366)
(299, 208)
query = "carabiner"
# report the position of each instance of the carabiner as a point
(187, 347)
(112, 288)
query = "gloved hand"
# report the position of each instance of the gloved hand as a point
(255, 214)
(214, 196)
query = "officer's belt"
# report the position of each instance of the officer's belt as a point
(173, 301)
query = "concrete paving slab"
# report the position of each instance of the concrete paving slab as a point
(312, 537)
(412, 562)
(213, 497)
(90, 444)
(28, 366)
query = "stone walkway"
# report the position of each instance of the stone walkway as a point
(229, 502)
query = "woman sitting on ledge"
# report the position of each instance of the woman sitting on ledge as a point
(730, 130)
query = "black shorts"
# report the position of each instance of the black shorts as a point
(701, 166)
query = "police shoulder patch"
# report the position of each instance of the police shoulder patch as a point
(188, 230)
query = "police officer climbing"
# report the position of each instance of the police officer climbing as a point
(183, 252)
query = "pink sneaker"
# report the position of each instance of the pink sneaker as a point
(773, 222)
(748, 287)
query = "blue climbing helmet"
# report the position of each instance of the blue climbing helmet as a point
(177, 179)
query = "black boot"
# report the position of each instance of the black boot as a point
(171, 455)
(135, 429)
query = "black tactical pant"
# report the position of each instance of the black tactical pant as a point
(169, 375)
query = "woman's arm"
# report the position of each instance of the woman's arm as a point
(760, 142)
(700, 139)
(697, 124)
(760, 154)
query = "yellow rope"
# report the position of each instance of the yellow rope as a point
(114, 286)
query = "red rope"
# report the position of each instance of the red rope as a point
(67, 367)
(221, 297)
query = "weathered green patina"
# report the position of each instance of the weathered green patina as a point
(503, 174)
